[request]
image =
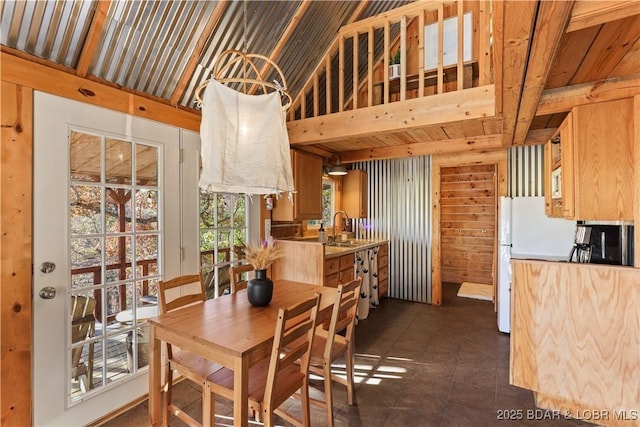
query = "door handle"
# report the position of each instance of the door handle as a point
(48, 292)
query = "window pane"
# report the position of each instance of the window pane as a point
(118, 162)
(86, 157)
(84, 209)
(207, 203)
(86, 252)
(239, 214)
(146, 210)
(147, 247)
(206, 240)
(224, 204)
(117, 210)
(118, 250)
(146, 165)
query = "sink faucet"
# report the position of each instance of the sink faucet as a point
(334, 222)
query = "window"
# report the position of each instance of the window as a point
(224, 231)
(328, 205)
(449, 42)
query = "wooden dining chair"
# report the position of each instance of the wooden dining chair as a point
(276, 378)
(238, 282)
(337, 341)
(83, 326)
(174, 294)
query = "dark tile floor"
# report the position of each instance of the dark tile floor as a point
(417, 365)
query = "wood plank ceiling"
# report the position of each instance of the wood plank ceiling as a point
(547, 56)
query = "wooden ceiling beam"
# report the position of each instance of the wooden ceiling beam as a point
(187, 74)
(563, 99)
(476, 143)
(31, 74)
(551, 21)
(517, 28)
(90, 45)
(282, 41)
(591, 13)
(413, 113)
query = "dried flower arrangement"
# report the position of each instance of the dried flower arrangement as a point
(263, 255)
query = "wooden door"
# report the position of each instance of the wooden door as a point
(468, 223)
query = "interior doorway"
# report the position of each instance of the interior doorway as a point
(468, 223)
(465, 199)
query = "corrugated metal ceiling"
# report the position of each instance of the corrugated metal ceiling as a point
(146, 45)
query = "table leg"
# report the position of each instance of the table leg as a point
(241, 392)
(155, 386)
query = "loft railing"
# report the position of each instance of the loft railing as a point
(355, 72)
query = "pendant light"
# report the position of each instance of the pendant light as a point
(338, 168)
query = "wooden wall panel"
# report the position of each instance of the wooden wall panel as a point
(468, 223)
(16, 170)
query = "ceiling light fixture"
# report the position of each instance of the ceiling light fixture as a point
(338, 168)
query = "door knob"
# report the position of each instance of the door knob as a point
(47, 267)
(48, 292)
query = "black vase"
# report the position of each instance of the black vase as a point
(260, 289)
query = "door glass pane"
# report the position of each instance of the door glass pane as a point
(118, 162)
(146, 165)
(114, 268)
(85, 209)
(118, 207)
(146, 210)
(85, 157)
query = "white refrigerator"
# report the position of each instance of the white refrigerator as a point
(524, 231)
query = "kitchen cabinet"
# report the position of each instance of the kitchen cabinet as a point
(339, 270)
(574, 336)
(354, 194)
(383, 270)
(589, 164)
(312, 262)
(307, 200)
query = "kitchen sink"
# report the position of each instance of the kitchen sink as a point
(344, 244)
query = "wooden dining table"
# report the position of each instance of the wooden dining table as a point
(229, 331)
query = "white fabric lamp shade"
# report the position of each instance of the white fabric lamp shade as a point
(245, 145)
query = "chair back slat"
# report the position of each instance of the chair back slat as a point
(237, 281)
(294, 324)
(181, 283)
(343, 315)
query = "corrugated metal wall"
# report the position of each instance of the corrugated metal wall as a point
(400, 211)
(526, 171)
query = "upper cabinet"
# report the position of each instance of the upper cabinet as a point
(307, 200)
(354, 194)
(589, 164)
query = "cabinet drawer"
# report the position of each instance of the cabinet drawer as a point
(383, 287)
(383, 273)
(347, 261)
(383, 261)
(383, 251)
(331, 280)
(347, 275)
(331, 266)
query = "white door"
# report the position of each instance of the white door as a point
(106, 228)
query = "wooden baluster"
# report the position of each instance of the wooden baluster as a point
(327, 77)
(386, 62)
(370, 68)
(341, 75)
(403, 58)
(356, 50)
(440, 49)
(460, 45)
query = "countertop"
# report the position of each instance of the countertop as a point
(354, 245)
(537, 257)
